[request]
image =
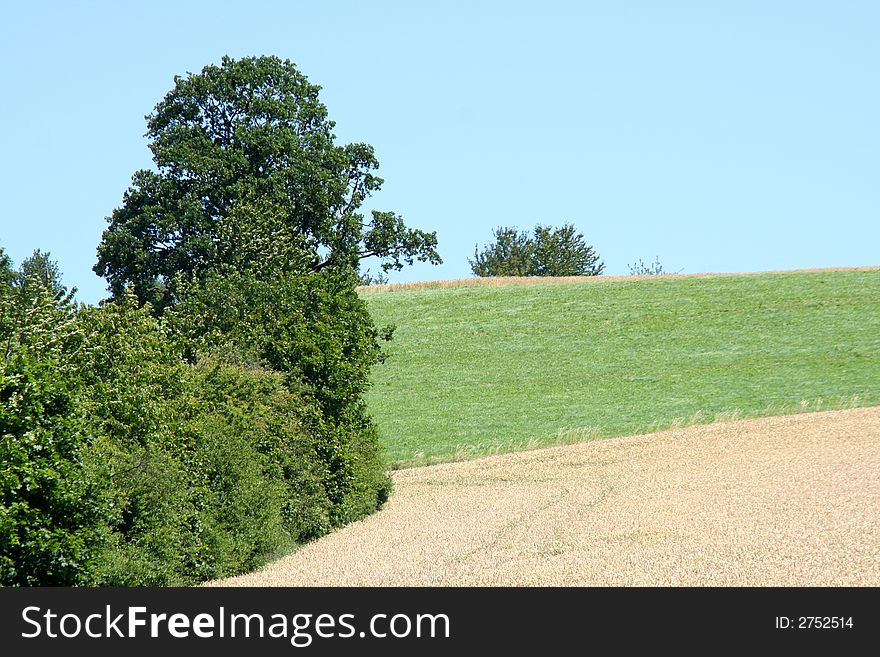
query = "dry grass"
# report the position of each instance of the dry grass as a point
(496, 281)
(783, 501)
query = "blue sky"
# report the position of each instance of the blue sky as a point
(719, 136)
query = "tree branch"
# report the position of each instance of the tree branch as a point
(351, 201)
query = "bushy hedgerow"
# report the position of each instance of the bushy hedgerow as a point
(313, 328)
(235, 480)
(135, 453)
(50, 521)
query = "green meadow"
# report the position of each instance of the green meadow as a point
(482, 369)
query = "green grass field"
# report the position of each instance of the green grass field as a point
(475, 370)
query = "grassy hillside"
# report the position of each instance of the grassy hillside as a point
(480, 369)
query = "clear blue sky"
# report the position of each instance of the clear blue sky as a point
(719, 136)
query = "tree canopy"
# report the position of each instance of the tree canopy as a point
(248, 131)
(40, 265)
(548, 252)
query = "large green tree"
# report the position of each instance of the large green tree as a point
(248, 131)
(548, 252)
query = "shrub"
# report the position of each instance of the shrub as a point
(50, 521)
(219, 472)
(313, 328)
(511, 254)
(124, 465)
(550, 252)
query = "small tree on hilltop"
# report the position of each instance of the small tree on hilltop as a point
(550, 252)
(563, 252)
(511, 254)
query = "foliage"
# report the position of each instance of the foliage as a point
(235, 481)
(318, 332)
(7, 273)
(261, 303)
(249, 130)
(50, 522)
(549, 252)
(563, 252)
(8, 277)
(511, 254)
(123, 465)
(41, 266)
